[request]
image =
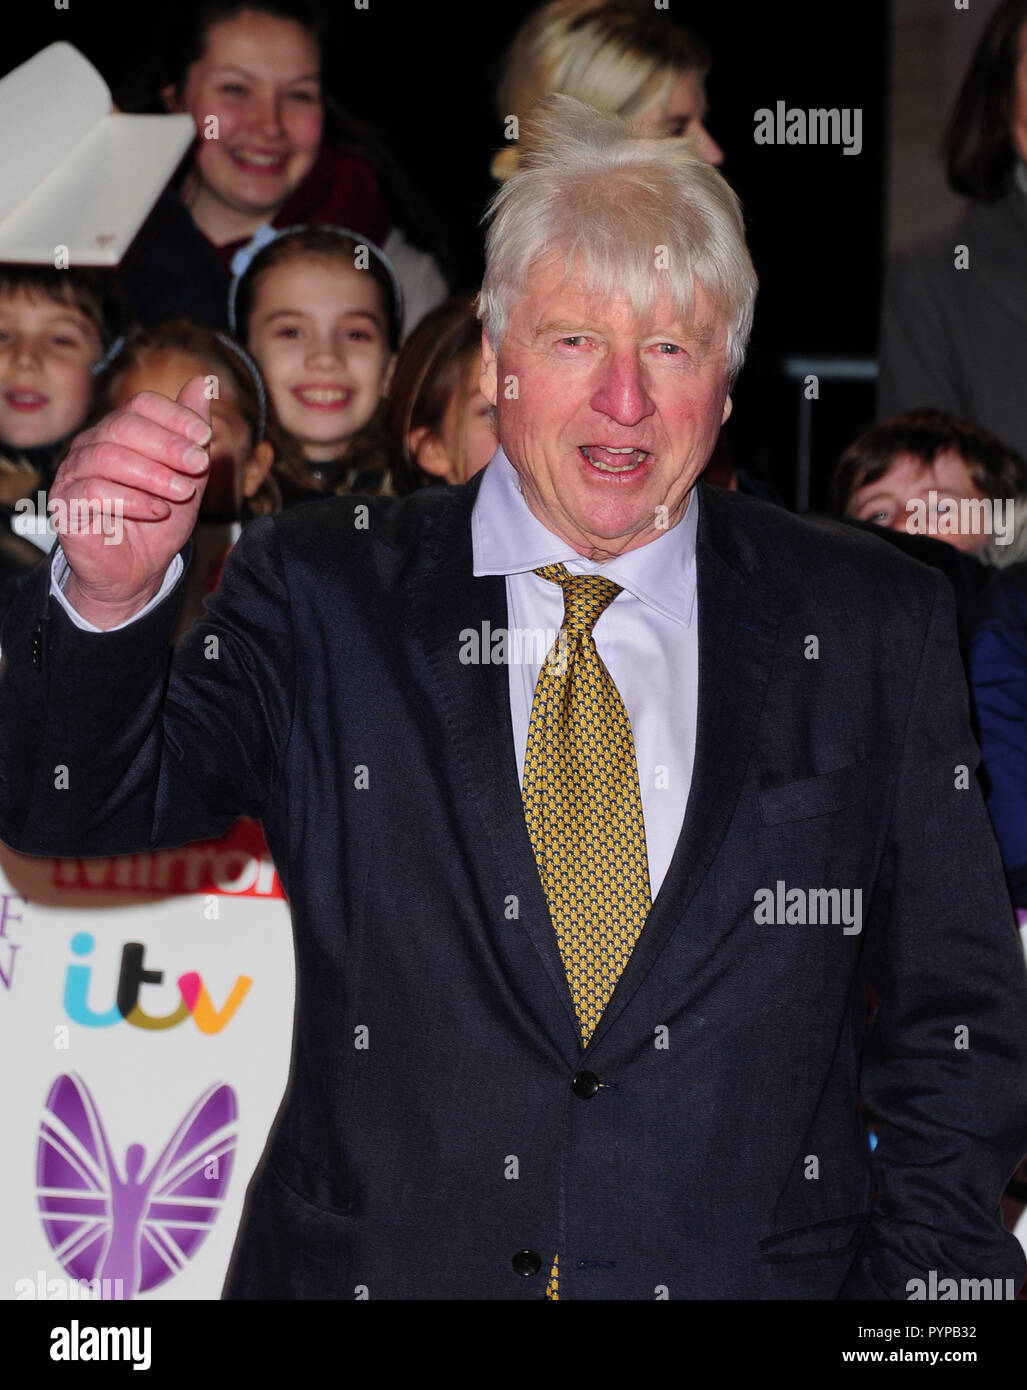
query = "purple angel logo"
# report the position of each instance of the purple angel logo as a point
(106, 1224)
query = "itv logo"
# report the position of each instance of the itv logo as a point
(133, 975)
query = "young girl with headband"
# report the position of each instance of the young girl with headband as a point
(320, 310)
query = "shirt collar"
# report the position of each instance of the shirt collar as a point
(508, 539)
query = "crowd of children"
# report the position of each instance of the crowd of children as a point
(299, 398)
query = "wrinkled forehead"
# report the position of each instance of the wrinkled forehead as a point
(605, 288)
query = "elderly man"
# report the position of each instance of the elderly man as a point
(602, 906)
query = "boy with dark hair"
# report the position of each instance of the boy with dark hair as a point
(929, 473)
(56, 328)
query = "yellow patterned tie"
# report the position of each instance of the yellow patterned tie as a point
(583, 807)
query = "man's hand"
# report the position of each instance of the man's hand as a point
(127, 497)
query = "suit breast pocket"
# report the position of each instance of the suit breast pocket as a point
(815, 796)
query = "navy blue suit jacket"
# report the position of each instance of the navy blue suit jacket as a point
(999, 676)
(723, 1154)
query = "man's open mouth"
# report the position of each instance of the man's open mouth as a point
(609, 460)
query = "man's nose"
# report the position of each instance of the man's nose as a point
(621, 391)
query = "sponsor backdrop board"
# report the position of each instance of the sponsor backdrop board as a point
(146, 1008)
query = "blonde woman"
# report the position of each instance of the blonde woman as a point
(631, 61)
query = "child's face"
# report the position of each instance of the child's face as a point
(318, 332)
(259, 75)
(47, 352)
(911, 481)
(231, 444)
(478, 426)
(469, 415)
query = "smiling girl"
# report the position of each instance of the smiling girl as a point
(249, 74)
(320, 312)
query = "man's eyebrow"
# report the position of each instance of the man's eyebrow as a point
(558, 326)
(702, 334)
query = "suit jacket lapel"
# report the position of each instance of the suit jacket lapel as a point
(738, 617)
(445, 600)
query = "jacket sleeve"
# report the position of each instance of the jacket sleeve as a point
(116, 742)
(945, 1061)
(998, 660)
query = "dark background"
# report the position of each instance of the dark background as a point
(423, 75)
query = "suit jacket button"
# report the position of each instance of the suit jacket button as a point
(37, 645)
(584, 1084)
(527, 1262)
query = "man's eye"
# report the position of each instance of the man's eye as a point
(308, 98)
(575, 340)
(669, 349)
(233, 89)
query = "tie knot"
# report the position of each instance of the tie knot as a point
(585, 596)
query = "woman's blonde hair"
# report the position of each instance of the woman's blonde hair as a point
(611, 56)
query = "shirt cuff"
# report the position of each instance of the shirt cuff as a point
(59, 576)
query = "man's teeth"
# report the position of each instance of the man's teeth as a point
(592, 454)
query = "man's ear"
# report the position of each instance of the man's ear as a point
(728, 404)
(169, 97)
(489, 372)
(429, 452)
(257, 467)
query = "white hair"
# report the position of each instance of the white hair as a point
(645, 217)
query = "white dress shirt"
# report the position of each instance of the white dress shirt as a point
(648, 637)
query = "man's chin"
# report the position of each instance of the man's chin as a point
(612, 531)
